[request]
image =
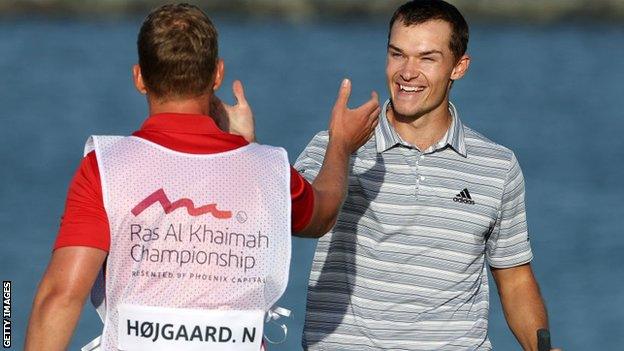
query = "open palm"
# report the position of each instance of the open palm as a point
(236, 119)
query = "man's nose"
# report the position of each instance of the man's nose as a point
(410, 70)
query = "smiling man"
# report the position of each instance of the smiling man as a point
(431, 204)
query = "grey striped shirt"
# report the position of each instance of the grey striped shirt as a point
(404, 267)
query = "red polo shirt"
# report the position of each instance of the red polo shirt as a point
(85, 223)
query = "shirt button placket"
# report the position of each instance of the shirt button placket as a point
(412, 156)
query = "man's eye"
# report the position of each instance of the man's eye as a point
(430, 59)
(395, 54)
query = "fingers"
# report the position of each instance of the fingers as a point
(372, 122)
(374, 96)
(343, 94)
(373, 118)
(239, 92)
(371, 105)
(375, 114)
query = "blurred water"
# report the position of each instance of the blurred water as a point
(550, 93)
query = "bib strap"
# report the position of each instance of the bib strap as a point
(94, 345)
(272, 316)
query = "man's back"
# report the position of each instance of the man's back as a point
(85, 222)
(206, 236)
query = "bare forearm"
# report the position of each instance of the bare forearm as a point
(523, 306)
(525, 313)
(52, 322)
(330, 189)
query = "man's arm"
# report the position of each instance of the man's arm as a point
(349, 129)
(61, 295)
(522, 302)
(330, 188)
(508, 252)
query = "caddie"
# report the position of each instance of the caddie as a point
(183, 229)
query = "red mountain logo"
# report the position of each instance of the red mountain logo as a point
(160, 196)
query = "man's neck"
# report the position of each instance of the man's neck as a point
(196, 106)
(422, 131)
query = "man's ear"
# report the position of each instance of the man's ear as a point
(461, 67)
(139, 84)
(218, 75)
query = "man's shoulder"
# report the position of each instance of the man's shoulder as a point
(271, 149)
(309, 161)
(321, 137)
(316, 147)
(480, 145)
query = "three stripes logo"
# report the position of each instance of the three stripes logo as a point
(464, 197)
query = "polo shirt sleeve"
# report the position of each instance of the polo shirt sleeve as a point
(508, 244)
(311, 159)
(84, 221)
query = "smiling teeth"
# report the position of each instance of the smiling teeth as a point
(411, 89)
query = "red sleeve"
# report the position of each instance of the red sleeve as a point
(84, 222)
(302, 196)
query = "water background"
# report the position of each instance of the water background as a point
(551, 93)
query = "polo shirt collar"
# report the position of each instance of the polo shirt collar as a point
(455, 134)
(181, 123)
(386, 136)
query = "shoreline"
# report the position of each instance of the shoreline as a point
(529, 11)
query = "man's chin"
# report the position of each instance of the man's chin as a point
(407, 112)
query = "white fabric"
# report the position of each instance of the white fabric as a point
(164, 329)
(93, 345)
(197, 232)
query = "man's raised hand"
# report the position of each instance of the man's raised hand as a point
(235, 119)
(351, 128)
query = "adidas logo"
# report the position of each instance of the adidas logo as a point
(464, 197)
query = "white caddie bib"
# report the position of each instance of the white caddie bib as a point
(200, 245)
(158, 328)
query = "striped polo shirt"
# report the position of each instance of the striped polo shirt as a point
(404, 268)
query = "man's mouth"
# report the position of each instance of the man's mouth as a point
(411, 89)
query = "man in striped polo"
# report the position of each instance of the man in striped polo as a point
(430, 203)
